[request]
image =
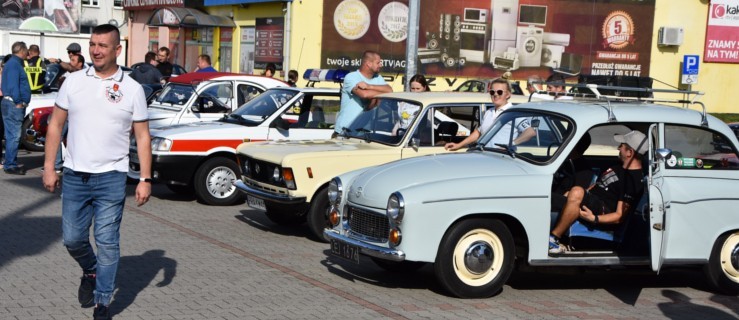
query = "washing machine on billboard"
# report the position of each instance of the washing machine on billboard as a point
(528, 45)
(530, 35)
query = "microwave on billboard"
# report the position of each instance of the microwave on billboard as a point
(532, 15)
(475, 15)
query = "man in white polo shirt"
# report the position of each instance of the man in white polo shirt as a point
(102, 106)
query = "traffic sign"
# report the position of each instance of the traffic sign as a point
(690, 69)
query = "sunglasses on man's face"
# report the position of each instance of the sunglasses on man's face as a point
(73, 52)
(496, 92)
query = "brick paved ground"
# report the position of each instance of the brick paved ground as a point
(184, 260)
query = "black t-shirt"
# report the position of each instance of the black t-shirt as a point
(618, 184)
(165, 68)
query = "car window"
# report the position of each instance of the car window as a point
(378, 123)
(442, 124)
(536, 137)
(247, 92)
(699, 148)
(175, 94)
(313, 111)
(264, 105)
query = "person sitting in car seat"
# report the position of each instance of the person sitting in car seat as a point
(616, 191)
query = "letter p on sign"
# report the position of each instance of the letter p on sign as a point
(690, 69)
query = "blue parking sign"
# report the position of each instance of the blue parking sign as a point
(690, 64)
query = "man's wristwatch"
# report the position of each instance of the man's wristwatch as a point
(145, 180)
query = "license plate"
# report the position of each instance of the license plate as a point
(255, 203)
(345, 250)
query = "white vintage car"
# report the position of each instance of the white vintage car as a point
(472, 215)
(205, 96)
(200, 157)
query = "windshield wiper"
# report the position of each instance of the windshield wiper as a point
(510, 149)
(366, 133)
(345, 132)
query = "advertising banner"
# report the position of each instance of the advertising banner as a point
(40, 15)
(722, 32)
(270, 37)
(484, 38)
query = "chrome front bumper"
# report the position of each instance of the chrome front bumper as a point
(267, 196)
(367, 249)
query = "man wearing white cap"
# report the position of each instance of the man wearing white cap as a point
(616, 191)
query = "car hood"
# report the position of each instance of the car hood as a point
(283, 151)
(200, 130)
(373, 186)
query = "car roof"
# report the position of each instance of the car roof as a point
(589, 113)
(426, 98)
(308, 89)
(191, 77)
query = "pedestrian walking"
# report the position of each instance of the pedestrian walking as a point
(16, 96)
(102, 106)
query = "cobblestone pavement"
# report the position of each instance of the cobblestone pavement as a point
(183, 260)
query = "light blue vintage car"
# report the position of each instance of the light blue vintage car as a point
(475, 214)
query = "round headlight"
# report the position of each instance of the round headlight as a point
(334, 191)
(395, 207)
(247, 172)
(276, 174)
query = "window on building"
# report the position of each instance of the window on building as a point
(92, 3)
(117, 4)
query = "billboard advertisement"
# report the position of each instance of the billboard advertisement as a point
(270, 37)
(484, 38)
(40, 15)
(722, 32)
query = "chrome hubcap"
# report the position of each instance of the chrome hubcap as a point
(479, 257)
(220, 182)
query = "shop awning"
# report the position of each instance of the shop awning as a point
(236, 2)
(187, 17)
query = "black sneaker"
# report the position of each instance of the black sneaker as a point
(17, 170)
(101, 313)
(87, 287)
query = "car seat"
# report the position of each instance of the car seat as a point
(446, 131)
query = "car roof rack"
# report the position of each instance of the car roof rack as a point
(588, 91)
(317, 75)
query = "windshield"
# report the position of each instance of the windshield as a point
(387, 122)
(175, 94)
(263, 105)
(532, 136)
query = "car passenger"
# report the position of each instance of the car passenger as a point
(616, 191)
(500, 93)
(408, 111)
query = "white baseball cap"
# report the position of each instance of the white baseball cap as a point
(635, 139)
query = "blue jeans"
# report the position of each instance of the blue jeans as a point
(13, 120)
(97, 197)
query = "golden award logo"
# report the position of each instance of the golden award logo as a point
(351, 19)
(618, 30)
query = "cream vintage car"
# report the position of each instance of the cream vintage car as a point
(479, 214)
(288, 179)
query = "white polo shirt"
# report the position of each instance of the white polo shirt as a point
(488, 118)
(101, 113)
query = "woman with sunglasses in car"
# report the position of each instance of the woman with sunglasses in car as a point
(500, 93)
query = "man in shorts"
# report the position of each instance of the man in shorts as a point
(616, 191)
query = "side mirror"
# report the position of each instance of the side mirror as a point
(198, 105)
(280, 124)
(662, 154)
(414, 143)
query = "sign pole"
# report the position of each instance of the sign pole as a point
(411, 47)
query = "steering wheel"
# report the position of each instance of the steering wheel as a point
(549, 148)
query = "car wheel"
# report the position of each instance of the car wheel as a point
(30, 143)
(185, 190)
(214, 182)
(398, 266)
(318, 214)
(284, 216)
(475, 258)
(722, 269)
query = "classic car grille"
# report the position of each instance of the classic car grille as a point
(368, 224)
(261, 171)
